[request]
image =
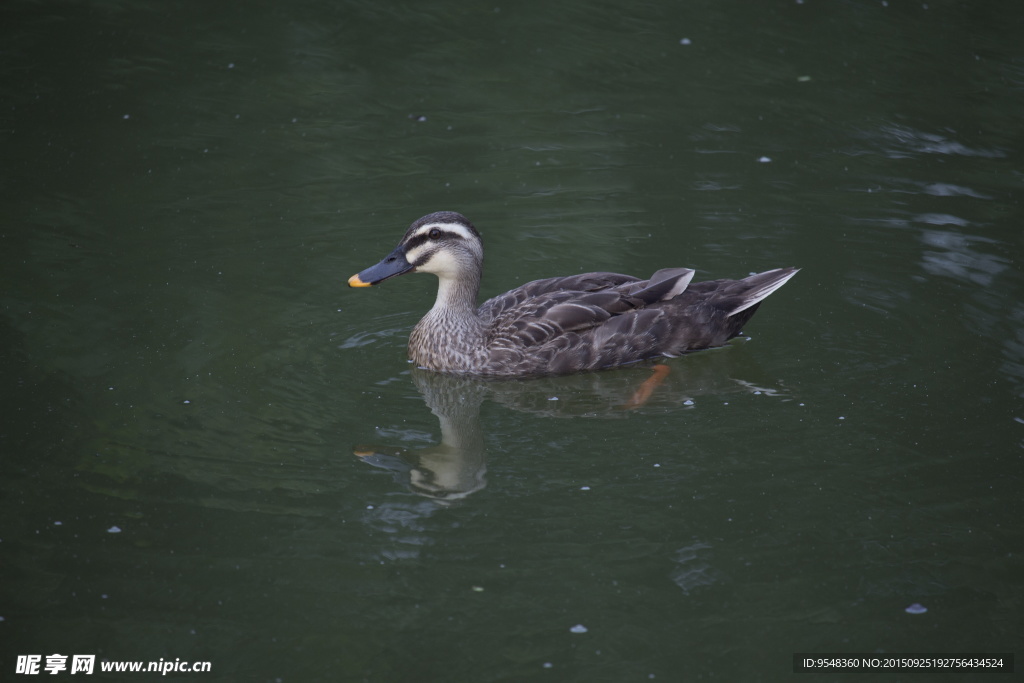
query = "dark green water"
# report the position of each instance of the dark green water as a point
(186, 378)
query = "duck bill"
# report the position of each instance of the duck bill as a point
(393, 264)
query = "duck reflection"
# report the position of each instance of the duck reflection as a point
(456, 467)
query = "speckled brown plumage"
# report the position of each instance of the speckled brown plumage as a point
(564, 324)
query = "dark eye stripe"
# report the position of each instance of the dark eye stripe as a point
(428, 237)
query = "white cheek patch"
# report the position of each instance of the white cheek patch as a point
(453, 228)
(441, 262)
(413, 255)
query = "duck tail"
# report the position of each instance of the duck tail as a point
(761, 285)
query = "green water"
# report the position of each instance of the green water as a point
(213, 450)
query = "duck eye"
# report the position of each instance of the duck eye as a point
(434, 234)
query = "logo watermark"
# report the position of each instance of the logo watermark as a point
(32, 665)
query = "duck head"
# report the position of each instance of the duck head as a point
(444, 243)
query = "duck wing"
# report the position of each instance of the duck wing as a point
(548, 326)
(495, 308)
(610, 319)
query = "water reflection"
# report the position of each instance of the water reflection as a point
(955, 255)
(693, 569)
(902, 142)
(456, 467)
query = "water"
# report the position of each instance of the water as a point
(186, 190)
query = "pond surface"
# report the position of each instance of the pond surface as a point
(213, 450)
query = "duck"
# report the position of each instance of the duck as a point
(560, 325)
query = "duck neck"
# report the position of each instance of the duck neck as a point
(457, 296)
(450, 337)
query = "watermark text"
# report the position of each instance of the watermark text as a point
(32, 665)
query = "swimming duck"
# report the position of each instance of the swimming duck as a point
(560, 325)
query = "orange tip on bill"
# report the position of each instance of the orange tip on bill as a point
(354, 281)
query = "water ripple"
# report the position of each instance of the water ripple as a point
(956, 256)
(904, 141)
